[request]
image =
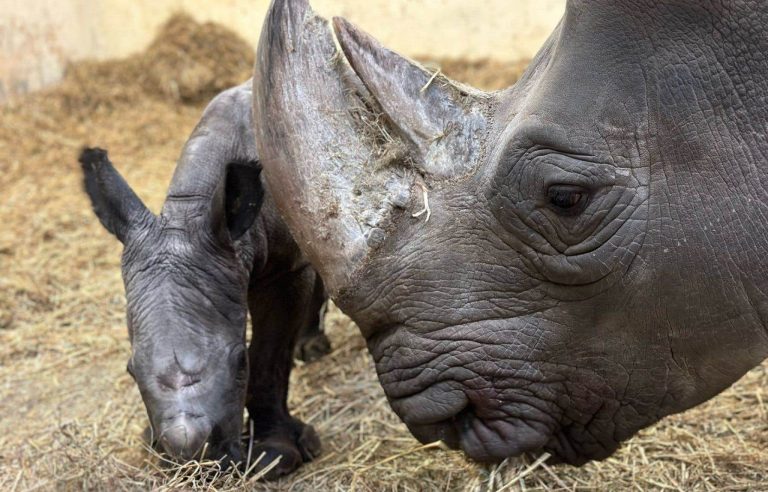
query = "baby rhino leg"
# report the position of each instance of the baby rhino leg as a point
(313, 343)
(280, 310)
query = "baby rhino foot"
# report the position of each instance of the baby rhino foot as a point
(312, 347)
(291, 442)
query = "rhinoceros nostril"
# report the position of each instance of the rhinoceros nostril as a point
(463, 420)
(183, 436)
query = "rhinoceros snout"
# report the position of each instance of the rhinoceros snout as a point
(184, 436)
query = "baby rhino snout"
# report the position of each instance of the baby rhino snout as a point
(183, 436)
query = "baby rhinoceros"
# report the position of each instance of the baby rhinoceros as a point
(217, 250)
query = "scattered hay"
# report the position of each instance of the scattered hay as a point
(72, 419)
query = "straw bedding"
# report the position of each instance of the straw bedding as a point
(72, 418)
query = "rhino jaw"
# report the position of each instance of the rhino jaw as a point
(351, 134)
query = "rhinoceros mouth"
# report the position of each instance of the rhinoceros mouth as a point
(491, 440)
(495, 396)
(483, 440)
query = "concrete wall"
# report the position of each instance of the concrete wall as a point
(38, 37)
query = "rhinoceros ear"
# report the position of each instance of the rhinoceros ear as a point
(237, 200)
(441, 120)
(118, 208)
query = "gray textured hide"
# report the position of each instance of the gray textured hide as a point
(595, 257)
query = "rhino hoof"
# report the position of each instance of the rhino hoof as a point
(293, 445)
(313, 347)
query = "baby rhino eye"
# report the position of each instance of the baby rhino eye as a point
(567, 199)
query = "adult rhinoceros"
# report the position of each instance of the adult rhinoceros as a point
(593, 252)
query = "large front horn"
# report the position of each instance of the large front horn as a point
(346, 135)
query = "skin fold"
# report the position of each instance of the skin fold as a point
(217, 251)
(596, 253)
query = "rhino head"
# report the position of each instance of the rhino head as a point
(550, 267)
(186, 274)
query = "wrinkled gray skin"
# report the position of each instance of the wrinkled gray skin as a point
(190, 276)
(597, 252)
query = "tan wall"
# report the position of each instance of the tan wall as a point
(38, 37)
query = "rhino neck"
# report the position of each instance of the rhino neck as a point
(196, 200)
(710, 29)
(224, 135)
(199, 172)
(198, 175)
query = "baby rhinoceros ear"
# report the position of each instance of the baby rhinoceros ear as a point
(237, 200)
(116, 205)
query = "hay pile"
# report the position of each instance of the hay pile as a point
(187, 62)
(72, 418)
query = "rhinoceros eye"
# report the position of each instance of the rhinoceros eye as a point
(567, 199)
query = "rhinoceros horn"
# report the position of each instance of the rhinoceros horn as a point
(349, 133)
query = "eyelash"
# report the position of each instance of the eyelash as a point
(567, 200)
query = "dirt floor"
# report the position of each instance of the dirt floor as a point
(71, 417)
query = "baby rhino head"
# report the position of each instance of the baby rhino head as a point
(186, 275)
(186, 288)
